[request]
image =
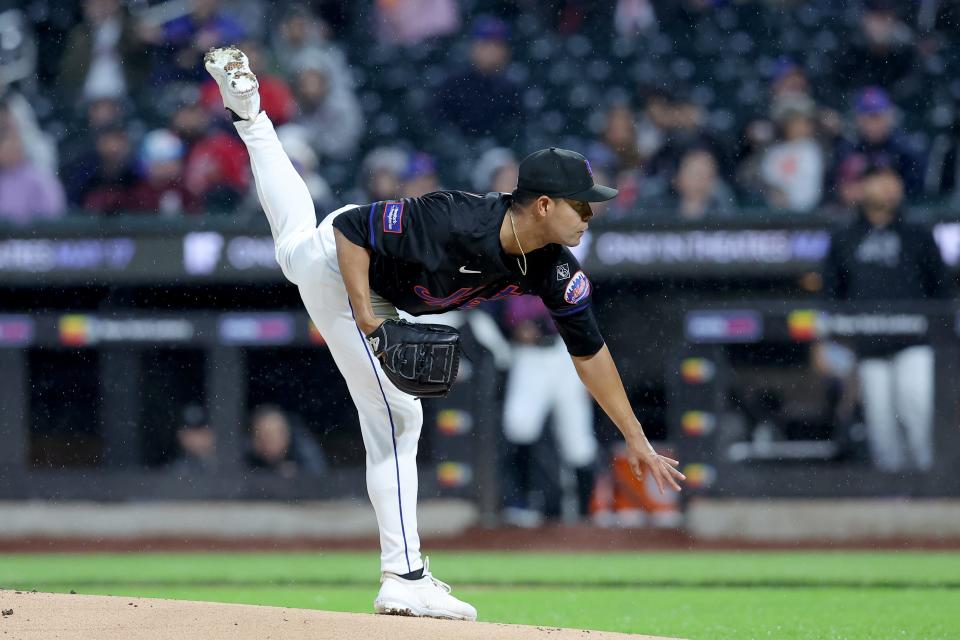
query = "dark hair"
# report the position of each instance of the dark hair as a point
(194, 416)
(522, 197)
(875, 170)
(662, 94)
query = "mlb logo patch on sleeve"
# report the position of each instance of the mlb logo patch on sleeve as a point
(577, 289)
(393, 217)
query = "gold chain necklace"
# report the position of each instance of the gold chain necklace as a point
(523, 267)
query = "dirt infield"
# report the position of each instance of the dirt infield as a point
(47, 616)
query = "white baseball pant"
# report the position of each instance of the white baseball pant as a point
(532, 394)
(390, 420)
(899, 391)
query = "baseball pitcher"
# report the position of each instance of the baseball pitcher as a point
(446, 250)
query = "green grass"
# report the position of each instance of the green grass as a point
(834, 595)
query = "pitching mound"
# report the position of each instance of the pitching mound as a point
(51, 616)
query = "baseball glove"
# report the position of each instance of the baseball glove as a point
(420, 359)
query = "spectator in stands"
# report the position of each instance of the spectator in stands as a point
(302, 33)
(100, 182)
(420, 177)
(883, 54)
(788, 79)
(698, 192)
(380, 174)
(881, 259)
(496, 170)
(683, 128)
(27, 192)
(410, 22)
(182, 41)
(792, 169)
(197, 442)
(789, 82)
(216, 168)
(792, 112)
(532, 397)
(617, 154)
(275, 96)
(39, 147)
(483, 101)
(633, 18)
(619, 137)
(162, 189)
(105, 57)
(80, 137)
(101, 112)
(329, 112)
(877, 143)
(654, 122)
(279, 446)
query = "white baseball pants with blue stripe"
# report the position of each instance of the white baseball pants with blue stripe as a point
(390, 420)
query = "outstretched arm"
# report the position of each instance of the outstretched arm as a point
(599, 374)
(354, 263)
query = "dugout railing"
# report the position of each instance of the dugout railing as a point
(461, 426)
(464, 428)
(702, 401)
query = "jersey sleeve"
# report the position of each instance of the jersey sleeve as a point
(567, 293)
(410, 229)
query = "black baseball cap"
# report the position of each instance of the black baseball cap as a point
(560, 173)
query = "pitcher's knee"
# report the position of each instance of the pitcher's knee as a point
(408, 418)
(395, 426)
(285, 267)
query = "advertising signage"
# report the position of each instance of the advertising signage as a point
(248, 257)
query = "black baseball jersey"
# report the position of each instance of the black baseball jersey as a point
(442, 252)
(895, 263)
(898, 262)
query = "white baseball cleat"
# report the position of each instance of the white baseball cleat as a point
(426, 598)
(238, 86)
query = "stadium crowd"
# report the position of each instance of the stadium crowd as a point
(696, 110)
(693, 108)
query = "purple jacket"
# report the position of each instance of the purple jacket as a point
(28, 193)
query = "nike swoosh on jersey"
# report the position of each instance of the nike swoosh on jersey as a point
(465, 270)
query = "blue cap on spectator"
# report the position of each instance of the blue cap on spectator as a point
(419, 164)
(490, 28)
(873, 100)
(113, 126)
(783, 67)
